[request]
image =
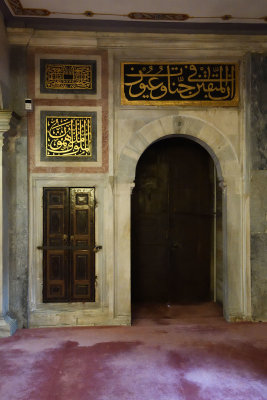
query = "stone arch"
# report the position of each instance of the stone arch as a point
(213, 140)
(237, 294)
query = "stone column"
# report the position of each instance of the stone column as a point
(7, 324)
(123, 252)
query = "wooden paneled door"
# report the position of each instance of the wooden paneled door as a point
(69, 244)
(172, 223)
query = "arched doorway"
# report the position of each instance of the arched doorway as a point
(173, 224)
(233, 244)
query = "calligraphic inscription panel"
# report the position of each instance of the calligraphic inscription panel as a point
(68, 136)
(180, 84)
(68, 76)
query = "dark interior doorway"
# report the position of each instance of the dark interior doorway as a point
(172, 223)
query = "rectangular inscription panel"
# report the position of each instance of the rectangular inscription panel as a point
(180, 84)
(71, 136)
(68, 76)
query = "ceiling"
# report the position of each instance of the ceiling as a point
(150, 13)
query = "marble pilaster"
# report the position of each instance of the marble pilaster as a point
(7, 324)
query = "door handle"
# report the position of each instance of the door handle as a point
(176, 245)
(96, 249)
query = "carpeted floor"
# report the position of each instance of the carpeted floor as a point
(171, 353)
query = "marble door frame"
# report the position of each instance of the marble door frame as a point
(236, 275)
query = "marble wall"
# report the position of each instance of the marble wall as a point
(127, 131)
(16, 193)
(4, 66)
(258, 183)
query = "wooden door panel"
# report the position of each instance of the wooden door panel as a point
(150, 229)
(56, 228)
(191, 177)
(190, 258)
(191, 218)
(82, 237)
(81, 275)
(151, 275)
(56, 219)
(172, 206)
(81, 272)
(69, 270)
(81, 222)
(56, 263)
(56, 274)
(82, 215)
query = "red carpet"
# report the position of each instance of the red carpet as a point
(176, 353)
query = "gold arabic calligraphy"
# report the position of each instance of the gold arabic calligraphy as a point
(179, 82)
(68, 76)
(68, 136)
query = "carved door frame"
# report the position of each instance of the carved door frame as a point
(236, 274)
(78, 313)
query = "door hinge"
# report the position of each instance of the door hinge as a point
(96, 249)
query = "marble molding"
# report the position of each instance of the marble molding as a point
(7, 325)
(228, 161)
(127, 132)
(100, 312)
(72, 102)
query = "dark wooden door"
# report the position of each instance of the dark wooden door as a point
(68, 250)
(172, 220)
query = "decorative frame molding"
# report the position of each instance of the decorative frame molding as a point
(18, 10)
(67, 94)
(99, 312)
(179, 83)
(63, 76)
(71, 110)
(68, 102)
(69, 136)
(237, 290)
(8, 325)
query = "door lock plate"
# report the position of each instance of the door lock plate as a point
(96, 249)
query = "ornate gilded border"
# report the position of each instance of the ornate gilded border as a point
(69, 115)
(81, 87)
(38, 162)
(158, 16)
(18, 9)
(200, 103)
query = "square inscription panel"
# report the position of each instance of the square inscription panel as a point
(60, 76)
(68, 136)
